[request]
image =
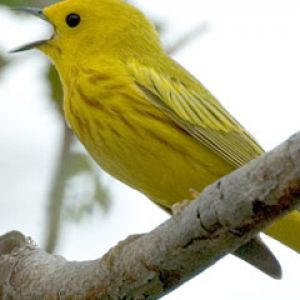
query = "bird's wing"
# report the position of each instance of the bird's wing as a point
(192, 107)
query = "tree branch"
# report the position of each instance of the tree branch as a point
(227, 213)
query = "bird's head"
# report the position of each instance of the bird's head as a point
(86, 28)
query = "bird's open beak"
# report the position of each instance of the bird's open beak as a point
(36, 12)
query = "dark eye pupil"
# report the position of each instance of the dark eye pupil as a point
(73, 20)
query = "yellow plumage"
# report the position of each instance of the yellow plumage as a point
(143, 117)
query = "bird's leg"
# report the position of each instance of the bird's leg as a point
(179, 207)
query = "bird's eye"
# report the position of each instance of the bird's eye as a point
(73, 20)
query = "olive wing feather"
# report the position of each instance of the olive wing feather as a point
(197, 111)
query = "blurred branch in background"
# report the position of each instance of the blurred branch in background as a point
(187, 38)
(3, 63)
(56, 195)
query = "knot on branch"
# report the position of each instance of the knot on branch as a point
(10, 243)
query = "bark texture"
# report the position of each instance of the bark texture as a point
(227, 214)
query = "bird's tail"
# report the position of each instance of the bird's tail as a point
(287, 230)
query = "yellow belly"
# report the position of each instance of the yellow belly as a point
(136, 143)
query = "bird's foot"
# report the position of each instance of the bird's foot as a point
(179, 207)
(195, 194)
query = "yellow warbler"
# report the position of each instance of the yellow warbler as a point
(142, 116)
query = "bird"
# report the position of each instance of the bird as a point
(142, 116)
